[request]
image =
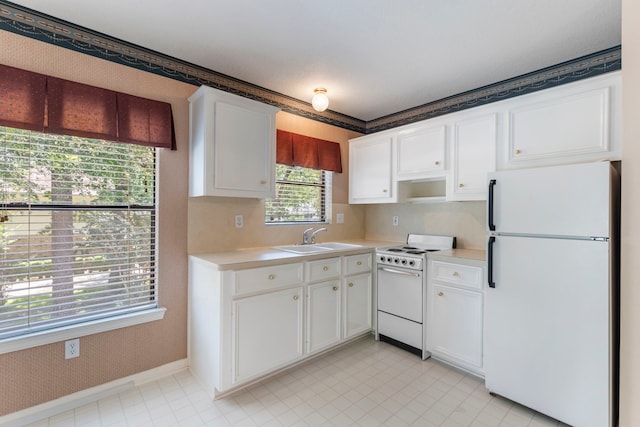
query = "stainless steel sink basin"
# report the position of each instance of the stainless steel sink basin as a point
(338, 245)
(303, 249)
(316, 247)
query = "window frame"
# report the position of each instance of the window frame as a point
(325, 202)
(87, 326)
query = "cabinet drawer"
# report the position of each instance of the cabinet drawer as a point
(323, 269)
(266, 278)
(463, 275)
(354, 264)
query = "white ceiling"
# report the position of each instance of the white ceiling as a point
(375, 57)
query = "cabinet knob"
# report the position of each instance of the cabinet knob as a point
(295, 297)
(351, 285)
(272, 276)
(325, 268)
(440, 294)
(385, 190)
(437, 163)
(460, 185)
(518, 152)
(455, 273)
(263, 181)
(359, 263)
(335, 288)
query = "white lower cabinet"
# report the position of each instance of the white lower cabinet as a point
(248, 323)
(357, 304)
(267, 332)
(323, 315)
(455, 303)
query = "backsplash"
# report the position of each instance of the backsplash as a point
(212, 227)
(465, 220)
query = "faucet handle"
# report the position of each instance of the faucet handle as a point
(313, 235)
(305, 237)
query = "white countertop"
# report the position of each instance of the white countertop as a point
(258, 257)
(474, 254)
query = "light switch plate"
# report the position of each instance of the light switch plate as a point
(340, 218)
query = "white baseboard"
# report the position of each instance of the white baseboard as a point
(93, 394)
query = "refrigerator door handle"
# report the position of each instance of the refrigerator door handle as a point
(490, 281)
(492, 184)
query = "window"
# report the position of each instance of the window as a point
(77, 230)
(302, 195)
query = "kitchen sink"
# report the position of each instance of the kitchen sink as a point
(303, 249)
(337, 245)
(316, 248)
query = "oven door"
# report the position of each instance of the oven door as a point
(400, 292)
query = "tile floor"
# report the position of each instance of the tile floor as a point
(365, 383)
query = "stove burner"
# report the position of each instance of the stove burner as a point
(395, 249)
(416, 252)
(409, 248)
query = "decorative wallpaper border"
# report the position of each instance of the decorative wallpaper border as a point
(36, 25)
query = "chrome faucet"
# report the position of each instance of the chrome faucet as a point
(313, 235)
(305, 236)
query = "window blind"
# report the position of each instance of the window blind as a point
(77, 230)
(301, 195)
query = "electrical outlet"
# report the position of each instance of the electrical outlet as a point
(72, 348)
(239, 221)
(396, 220)
(340, 218)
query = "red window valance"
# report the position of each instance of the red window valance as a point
(308, 152)
(47, 104)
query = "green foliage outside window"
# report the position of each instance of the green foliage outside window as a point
(300, 196)
(77, 238)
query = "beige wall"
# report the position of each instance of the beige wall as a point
(40, 374)
(211, 219)
(630, 239)
(37, 375)
(465, 220)
(33, 376)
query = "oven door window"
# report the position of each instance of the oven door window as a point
(400, 292)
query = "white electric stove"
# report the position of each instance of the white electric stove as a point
(402, 291)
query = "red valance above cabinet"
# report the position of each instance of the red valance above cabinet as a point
(305, 151)
(47, 104)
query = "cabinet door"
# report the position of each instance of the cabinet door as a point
(454, 325)
(370, 179)
(232, 145)
(421, 153)
(243, 150)
(573, 123)
(323, 315)
(473, 152)
(357, 304)
(267, 333)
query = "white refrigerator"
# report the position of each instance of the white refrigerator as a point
(551, 307)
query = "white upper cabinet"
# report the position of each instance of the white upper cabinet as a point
(370, 173)
(574, 123)
(421, 153)
(473, 156)
(232, 145)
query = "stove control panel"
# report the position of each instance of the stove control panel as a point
(413, 263)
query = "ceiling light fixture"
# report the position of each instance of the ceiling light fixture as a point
(320, 100)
